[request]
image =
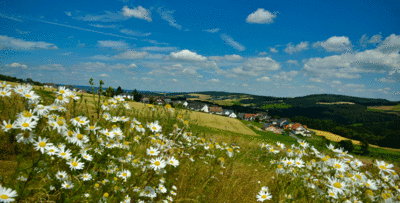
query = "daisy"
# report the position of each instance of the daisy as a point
(148, 192)
(384, 167)
(26, 123)
(229, 151)
(42, 144)
(282, 146)
(332, 193)
(272, 150)
(7, 194)
(262, 196)
(5, 85)
(370, 184)
(52, 150)
(67, 185)
(87, 156)
(61, 175)
(338, 165)
(92, 128)
(86, 177)
(152, 151)
(115, 119)
(5, 92)
(161, 188)
(106, 116)
(303, 144)
(157, 163)
(105, 106)
(299, 163)
(41, 110)
(337, 185)
(60, 99)
(126, 105)
(173, 162)
(124, 174)
(169, 198)
(154, 127)
(31, 95)
(119, 98)
(8, 125)
(75, 164)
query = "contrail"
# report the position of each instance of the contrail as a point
(69, 26)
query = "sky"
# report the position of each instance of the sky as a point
(270, 48)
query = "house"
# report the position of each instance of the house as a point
(205, 108)
(262, 115)
(272, 128)
(232, 115)
(249, 117)
(215, 109)
(299, 129)
(241, 116)
(195, 106)
(168, 101)
(159, 101)
(226, 112)
(145, 100)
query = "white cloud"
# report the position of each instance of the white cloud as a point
(261, 16)
(262, 53)
(263, 79)
(147, 79)
(159, 49)
(291, 49)
(213, 80)
(16, 65)
(112, 44)
(131, 55)
(22, 32)
(101, 57)
(287, 76)
(167, 16)
(229, 41)
(175, 80)
(245, 85)
(104, 75)
(386, 80)
(273, 50)
(373, 40)
(138, 12)
(390, 44)
(334, 44)
(132, 65)
(336, 82)
(314, 80)
(135, 33)
(292, 62)
(232, 57)
(52, 67)
(354, 85)
(68, 13)
(186, 55)
(212, 30)
(19, 44)
(103, 26)
(107, 17)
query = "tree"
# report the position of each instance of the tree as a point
(119, 91)
(136, 96)
(110, 91)
(151, 100)
(29, 80)
(347, 145)
(257, 119)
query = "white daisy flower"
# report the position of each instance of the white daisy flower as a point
(152, 151)
(42, 144)
(124, 174)
(172, 161)
(26, 137)
(67, 185)
(52, 150)
(337, 185)
(262, 196)
(157, 163)
(24, 123)
(8, 125)
(75, 164)
(7, 194)
(162, 188)
(86, 177)
(61, 175)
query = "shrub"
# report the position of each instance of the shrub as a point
(364, 147)
(347, 145)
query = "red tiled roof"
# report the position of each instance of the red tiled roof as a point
(249, 115)
(296, 126)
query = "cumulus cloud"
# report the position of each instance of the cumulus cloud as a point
(17, 65)
(314, 80)
(261, 16)
(292, 62)
(232, 57)
(112, 44)
(131, 55)
(175, 80)
(263, 79)
(138, 12)
(385, 80)
(213, 80)
(229, 41)
(273, 50)
(373, 40)
(135, 33)
(186, 55)
(167, 16)
(287, 76)
(354, 85)
(390, 45)
(300, 47)
(104, 75)
(51, 67)
(262, 53)
(68, 13)
(212, 30)
(159, 49)
(334, 44)
(19, 44)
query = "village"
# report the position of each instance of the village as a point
(275, 125)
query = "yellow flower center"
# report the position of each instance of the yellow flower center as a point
(154, 128)
(3, 93)
(337, 166)
(105, 104)
(27, 95)
(337, 184)
(8, 126)
(79, 137)
(84, 176)
(4, 197)
(25, 125)
(60, 123)
(51, 150)
(230, 149)
(82, 121)
(264, 197)
(289, 150)
(42, 144)
(96, 185)
(74, 164)
(124, 174)
(62, 91)
(289, 163)
(382, 167)
(63, 153)
(60, 97)
(91, 127)
(105, 195)
(157, 163)
(77, 119)
(67, 186)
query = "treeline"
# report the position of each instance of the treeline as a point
(19, 80)
(383, 134)
(342, 114)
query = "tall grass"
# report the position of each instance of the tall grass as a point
(215, 165)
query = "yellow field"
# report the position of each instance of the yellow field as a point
(335, 103)
(338, 138)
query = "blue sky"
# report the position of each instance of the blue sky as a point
(272, 48)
